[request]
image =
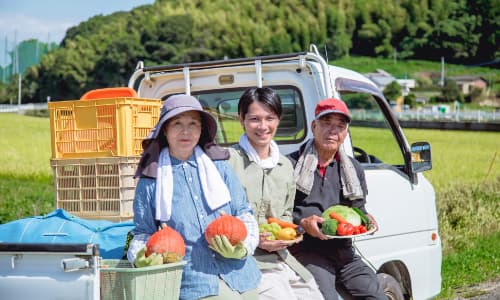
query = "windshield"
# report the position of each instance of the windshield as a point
(223, 105)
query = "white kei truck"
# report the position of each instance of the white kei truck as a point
(406, 250)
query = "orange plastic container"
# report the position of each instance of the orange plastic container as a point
(101, 127)
(96, 188)
(113, 92)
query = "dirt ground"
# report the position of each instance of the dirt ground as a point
(485, 291)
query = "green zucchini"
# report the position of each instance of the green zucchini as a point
(364, 219)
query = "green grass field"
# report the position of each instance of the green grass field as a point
(465, 174)
(26, 186)
(460, 157)
(25, 145)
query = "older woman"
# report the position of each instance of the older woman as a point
(268, 179)
(185, 182)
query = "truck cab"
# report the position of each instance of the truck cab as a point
(406, 250)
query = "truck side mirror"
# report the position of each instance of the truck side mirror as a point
(421, 159)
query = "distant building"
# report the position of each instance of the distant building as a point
(406, 85)
(467, 83)
(382, 78)
(421, 100)
(24, 55)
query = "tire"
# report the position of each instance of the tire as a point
(391, 286)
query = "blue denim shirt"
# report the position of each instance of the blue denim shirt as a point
(190, 216)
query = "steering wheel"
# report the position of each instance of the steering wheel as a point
(363, 156)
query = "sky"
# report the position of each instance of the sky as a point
(48, 20)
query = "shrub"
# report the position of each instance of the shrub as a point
(43, 113)
(466, 212)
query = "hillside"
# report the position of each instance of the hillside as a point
(104, 50)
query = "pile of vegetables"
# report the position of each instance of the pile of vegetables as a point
(342, 220)
(278, 229)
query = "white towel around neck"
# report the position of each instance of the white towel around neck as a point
(213, 187)
(267, 163)
(307, 164)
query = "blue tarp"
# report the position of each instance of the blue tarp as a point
(60, 226)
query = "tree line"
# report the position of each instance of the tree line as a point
(104, 50)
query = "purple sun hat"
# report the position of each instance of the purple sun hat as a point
(177, 104)
(153, 143)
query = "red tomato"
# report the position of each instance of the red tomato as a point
(345, 229)
(362, 229)
(356, 230)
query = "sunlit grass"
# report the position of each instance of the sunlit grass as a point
(460, 157)
(477, 263)
(25, 146)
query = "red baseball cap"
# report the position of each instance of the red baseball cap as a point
(331, 105)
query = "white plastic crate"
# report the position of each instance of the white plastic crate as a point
(96, 188)
(119, 281)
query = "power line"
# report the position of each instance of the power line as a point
(486, 63)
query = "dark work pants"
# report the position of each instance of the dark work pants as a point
(342, 266)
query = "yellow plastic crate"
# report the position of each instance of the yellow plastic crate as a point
(101, 127)
(120, 281)
(96, 188)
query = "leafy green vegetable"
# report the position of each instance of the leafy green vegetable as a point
(346, 212)
(364, 219)
(329, 227)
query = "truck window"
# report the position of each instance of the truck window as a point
(372, 138)
(223, 105)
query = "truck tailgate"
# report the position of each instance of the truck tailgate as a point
(49, 271)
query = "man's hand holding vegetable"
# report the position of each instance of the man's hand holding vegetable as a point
(311, 226)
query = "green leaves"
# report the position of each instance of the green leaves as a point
(392, 91)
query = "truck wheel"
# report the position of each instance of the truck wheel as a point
(391, 287)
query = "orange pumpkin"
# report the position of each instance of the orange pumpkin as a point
(233, 228)
(167, 242)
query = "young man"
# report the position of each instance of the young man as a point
(326, 176)
(268, 179)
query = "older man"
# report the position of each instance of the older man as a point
(326, 176)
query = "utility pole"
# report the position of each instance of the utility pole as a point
(4, 70)
(442, 71)
(14, 51)
(16, 62)
(37, 51)
(19, 89)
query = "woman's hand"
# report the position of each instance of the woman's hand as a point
(310, 225)
(271, 245)
(221, 245)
